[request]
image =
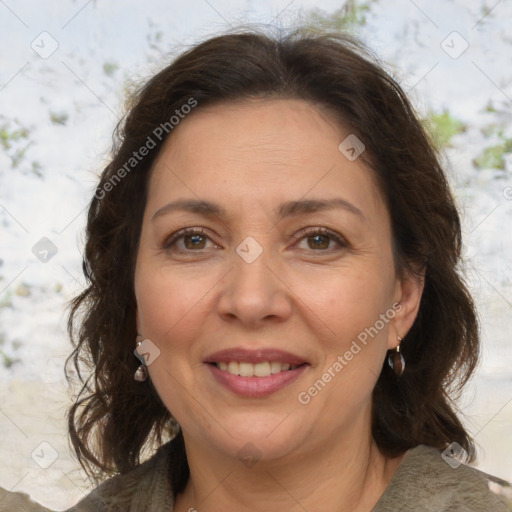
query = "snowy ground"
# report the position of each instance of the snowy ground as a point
(68, 103)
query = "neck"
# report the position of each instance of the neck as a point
(340, 476)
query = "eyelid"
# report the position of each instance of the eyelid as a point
(173, 237)
(313, 230)
(298, 236)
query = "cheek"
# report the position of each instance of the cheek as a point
(352, 344)
(352, 336)
(168, 301)
(169, 311)
(347, 300)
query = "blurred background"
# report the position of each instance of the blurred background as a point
(66, 70)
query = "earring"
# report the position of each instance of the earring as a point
(141, 374)
(396, 360)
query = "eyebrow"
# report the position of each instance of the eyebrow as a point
(287, 209)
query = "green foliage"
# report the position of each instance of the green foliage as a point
(109, 68)
(36, 168)
(59, 118)
(490, 107)
(14, 139)
(7, 137)
(352, 14)
(6, 360)
(492, 157)
(443, 127)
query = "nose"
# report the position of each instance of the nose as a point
(254, 292)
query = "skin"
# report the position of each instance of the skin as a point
(249, 157)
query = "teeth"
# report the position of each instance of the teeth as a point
(275, 367)
(245, 369)
(261, 369)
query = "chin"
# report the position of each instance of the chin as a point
(257, 436)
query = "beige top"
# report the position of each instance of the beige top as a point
(424, 482)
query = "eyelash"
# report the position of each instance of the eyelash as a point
(303, 233)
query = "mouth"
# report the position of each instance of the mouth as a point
(263, 369)
(255, 373)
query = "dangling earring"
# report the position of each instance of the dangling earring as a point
(141, 374)
(396, 360)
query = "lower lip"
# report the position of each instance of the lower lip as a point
(256, 387)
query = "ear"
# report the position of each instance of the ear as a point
(408, 292)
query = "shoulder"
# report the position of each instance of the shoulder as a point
(427, 481)
(19, 502)
(144, 488)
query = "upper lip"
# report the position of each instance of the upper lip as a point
(244, 355)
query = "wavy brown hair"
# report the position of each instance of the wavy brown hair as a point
(114, 419)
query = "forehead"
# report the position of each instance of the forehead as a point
(265, 150)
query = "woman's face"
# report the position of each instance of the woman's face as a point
(274, 316)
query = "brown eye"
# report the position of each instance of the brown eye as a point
(319, 239)
(193, 239)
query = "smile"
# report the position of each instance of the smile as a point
(262, 369)
(254, 373)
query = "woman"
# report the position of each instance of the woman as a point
(273, 259)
